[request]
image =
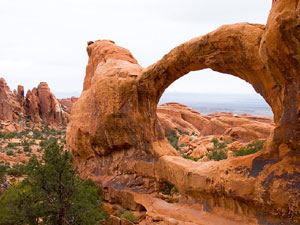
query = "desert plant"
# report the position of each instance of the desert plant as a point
(191, 157)
(250, 148)
(3, 169)
(169, 189)
(219, 152)
(16, 170)
(172, 138)
(46, 142)
(10, 153)
(37, 134)
(27, 143)
(10, 135)
(127, 215)
(12, 145)
(26, 149)
(183, 132)
(217, 155)
(52, 193)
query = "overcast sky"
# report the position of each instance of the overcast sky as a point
(43, 40)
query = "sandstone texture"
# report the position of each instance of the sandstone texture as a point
(42, 105)
(243, 128)
(196, 132)
(117, 139)
(67, 103)
(39, 105)
(10, 108)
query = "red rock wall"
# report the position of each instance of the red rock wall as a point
(40, 104)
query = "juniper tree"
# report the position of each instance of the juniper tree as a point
(52, 193)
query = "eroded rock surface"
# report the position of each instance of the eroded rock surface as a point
(10, 108)
(39, 105)
(42, 105)
(117, 140)
(68, 103)
(243, 128)
(196, 132)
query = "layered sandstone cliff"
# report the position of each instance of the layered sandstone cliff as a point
(10, 107)
(117, 140)
(39, 105)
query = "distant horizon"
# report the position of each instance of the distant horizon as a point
(68, 94)
(203, 102)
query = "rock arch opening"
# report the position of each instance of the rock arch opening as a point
(214, 126)
(207, 91)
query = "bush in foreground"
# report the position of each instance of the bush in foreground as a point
(52, 193)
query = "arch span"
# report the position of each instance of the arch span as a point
(116, 138)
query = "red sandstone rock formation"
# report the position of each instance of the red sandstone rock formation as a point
(117, 140)
(10, 108)
(42, 105)
(242, 128)
(196, 131)
(39, 104)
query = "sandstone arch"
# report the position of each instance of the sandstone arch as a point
(116, 139)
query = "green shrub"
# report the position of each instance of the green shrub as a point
(183, 132)
(63, 140)
(250, 148)
(16, 170)
(127, 215)
(46, 142)
(27, 143)
(10, 153)
(219, 152)
(2, 135)
(218, 145)
(10, 135)
(46, 130)
(173, 138)
(26, 149)
(52, 187)
(191, 157)
(37, 134)
(217, 155)
(3, 169)
(12, 145)
(168, 189)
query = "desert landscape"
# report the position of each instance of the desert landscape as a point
(163, 164)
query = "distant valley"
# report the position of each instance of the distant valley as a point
(207, 103)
